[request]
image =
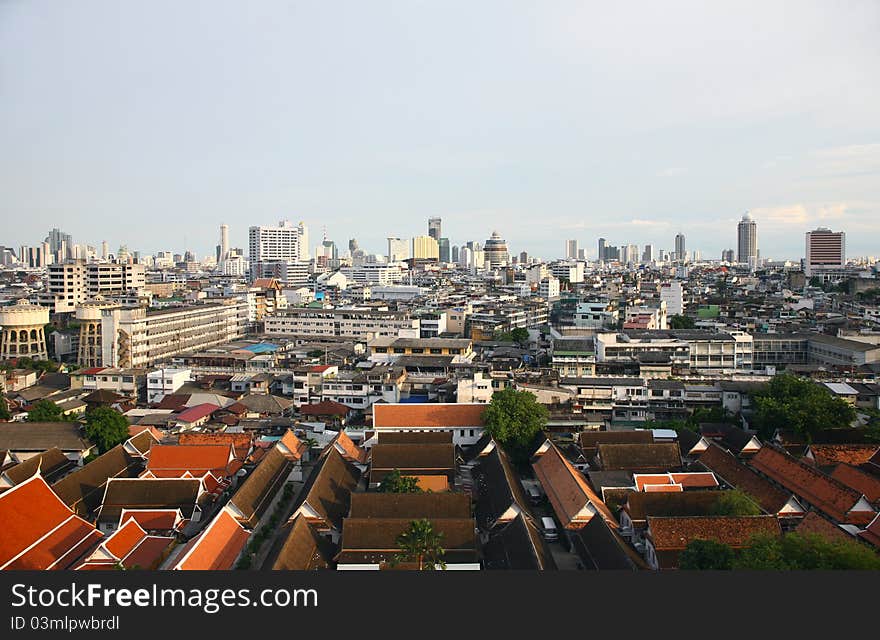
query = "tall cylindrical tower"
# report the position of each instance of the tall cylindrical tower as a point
(224, 241)
(88, 315)
(22, 331)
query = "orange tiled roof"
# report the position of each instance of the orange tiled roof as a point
(198, 459)
(39, 530)
(572, 499)
(447, 415)
(350, 451)
(674, 533)
(122, 541)
(828, 495)
(153, 519)
(826, 455)
(432, 483)
(217, 547)
(865, 483)
(872, 532)
(241, 442)
(294, 446)
(662, 488)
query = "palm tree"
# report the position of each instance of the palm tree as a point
(420, 543)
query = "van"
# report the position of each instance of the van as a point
(534, 495)
(549, 529)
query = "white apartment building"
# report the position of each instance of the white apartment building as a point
(137, 337)
(398, 249)
(672, 294)
(571, 271)
(549, 288)
(596, 315)
(825, 251)
(161, 382)
(373, 273)
(284, 243)
(354, 323)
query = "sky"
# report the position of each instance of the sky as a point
(151, 123)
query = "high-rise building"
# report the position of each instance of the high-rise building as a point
(680, 248)
(425, 248)
(571, 249)
(59, 244)
(825, 250)
(282, 243)
(648, 254)
(747, 241)
(443, 247)
(727, 256)
(601, 255)
(453, 254)
(224, 242)
(495, 250)
(398, 249)
(523, 257)
(434, 228)
(631, 254)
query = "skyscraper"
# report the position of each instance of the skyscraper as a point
(398, 249)
(571, 249)
(680, 248)
(727, 255)
(434, 228)
(443, 247)
(825, 250)
(648, 255)
(224, 242)
(284, 243)
(747, 241)
(496, 251)
(425, 248)
(601, 254)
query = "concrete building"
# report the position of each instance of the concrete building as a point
(73, 282)
(825, 251)
(549, 289)
(89, 315)
(680, 248)
(398, 249)
(137, 337)
(282, 244)
(495, 251)
(161, 382)
(671, 293)
(571, 249)
(747, 241)
(596, 315)
(425, 248)
(353, 323)
(22, 331)
(435, 228)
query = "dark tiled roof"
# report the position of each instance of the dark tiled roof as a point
(42, 436)
(413, 456)
(416, 437)
(601, 548)
(374, 540)
(301, 548)
(410, 505)
(139, 493)
(328, 489)
(255, 494)
(83, 489)
(519, 546)
(642, 504)
(674, 533)
(732, 472)
(498, 488)
(51, 465)
(662, 456)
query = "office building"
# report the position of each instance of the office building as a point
(648, 254)
(825, 251)
(425, 248)
(398, 249)
(495, 251)
(285, 242)
(571, 249)
(680, 248)
(434, 228)
(747, 241)
(728, 256)
(443, 248)
(357, 323)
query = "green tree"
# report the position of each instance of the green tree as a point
(734, 503)
(394, 482)
(419, 543)
(5, 414)
(106, 427)
(799, 552)
(681, 322)
(704, 555)
(514, 418)
(46, 411)
(790, 402)
(520, 335)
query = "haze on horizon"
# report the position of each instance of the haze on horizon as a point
(147, 123)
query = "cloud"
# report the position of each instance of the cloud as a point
(848, 160)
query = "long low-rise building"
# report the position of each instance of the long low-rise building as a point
(354, 323)
(138, 337)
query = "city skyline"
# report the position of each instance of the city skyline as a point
(143, 144)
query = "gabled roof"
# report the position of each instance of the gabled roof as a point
(266, 403)
(41, 436)
(374, 540)
(828, 495)
(572, 499)
(499, 491)
(727, 468)
(410, 505)
(871, 533)
(216, 548)
(415, 437)
(349, 450)
(303, 549)
(83, 489)
(153, 519)
(327, 492)
(50, 464)
(640, 505)
(819, 525)
(39, 530)
(325, 408)
(827, 455)
(685, 480)
(518, 545)
(662, 456)
(865, 483)
(412, 456)
(131, 546)
(590, 440)
(675, 533)
(291, 447)
(600, 547)
(255, 494)
(445, 415)
(174, 460)
(241, 442)
(196, 413)
(149, 493)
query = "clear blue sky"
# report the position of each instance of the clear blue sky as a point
(149, 122)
